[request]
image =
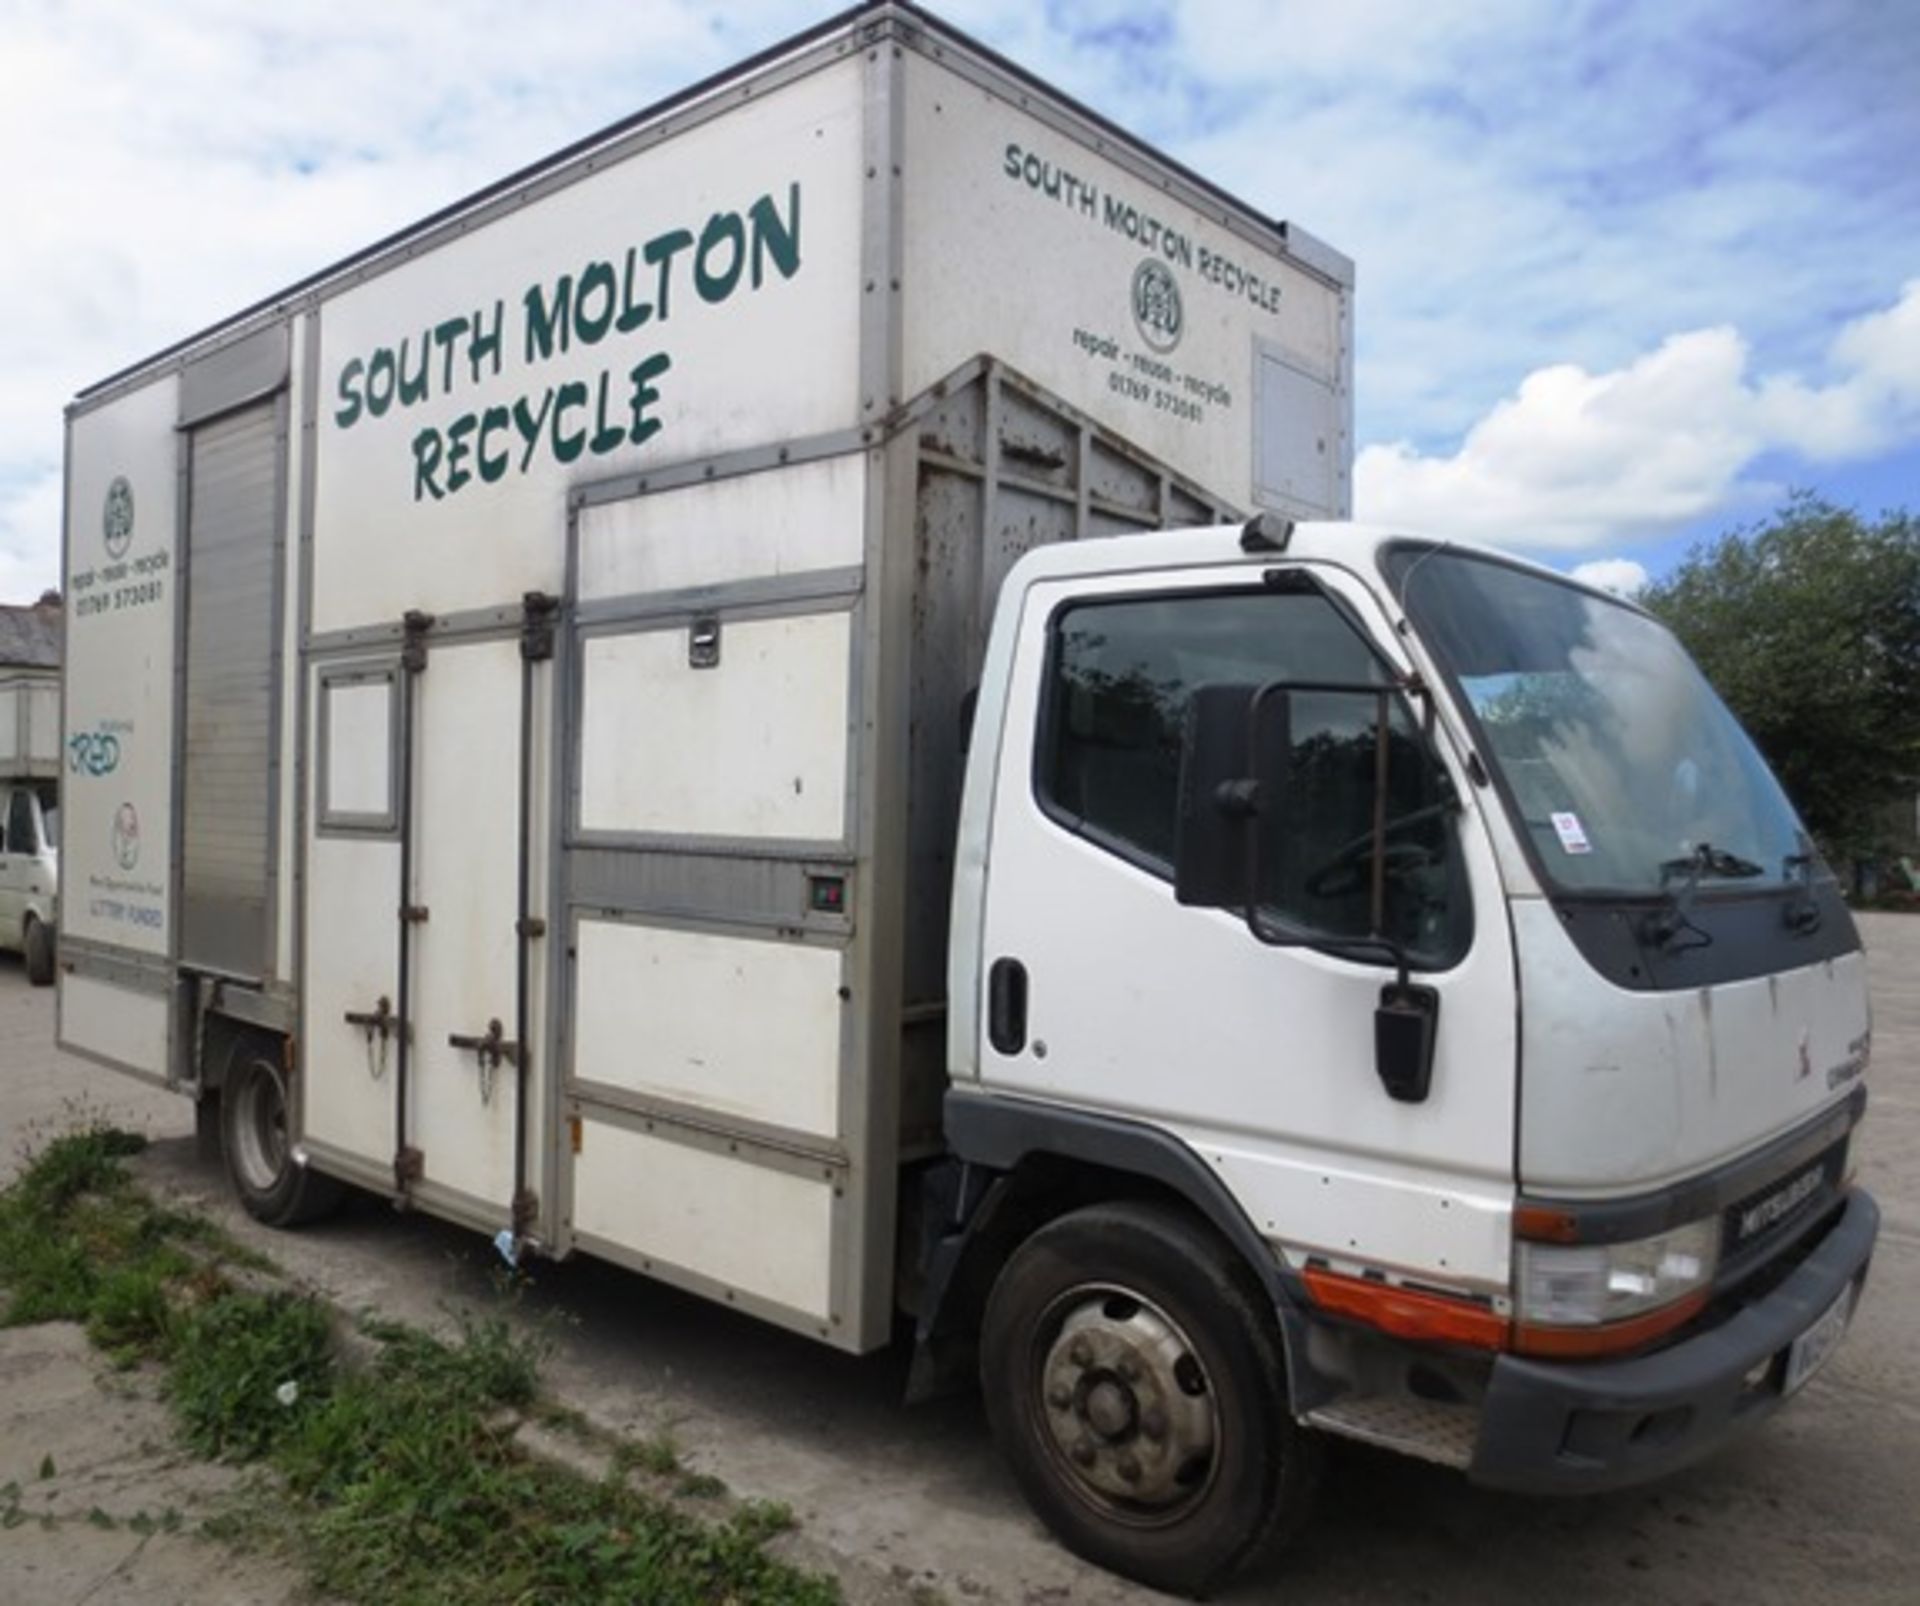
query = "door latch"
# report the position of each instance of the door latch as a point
(492, 1049)
(379, 1024)
(376, 1022)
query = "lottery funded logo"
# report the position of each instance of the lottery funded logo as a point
(126, 836)
(1157, 312)
(116, 519)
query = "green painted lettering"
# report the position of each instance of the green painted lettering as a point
(380, 379)
(485, 343)
(492, 467)
(413, 386)
(632, 313)
(531, 426)
(660, 252)
(426, 464)
(548, 325)
(724, 234)
(459, 449)
(444, 335)
(776, 237)
(597, 281)
(643, 396)
(606, 437)
(567, 447)
(350, 404)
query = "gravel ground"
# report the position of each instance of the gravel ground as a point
(1818, 1505)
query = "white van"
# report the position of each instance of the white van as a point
(30, 873)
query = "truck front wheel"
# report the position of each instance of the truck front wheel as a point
(38, 943)
(255, 1138)
(1134, 1379)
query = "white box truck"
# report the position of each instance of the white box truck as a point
(775, 699)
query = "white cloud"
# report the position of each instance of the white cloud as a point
(1527, 189)
(1622, 575)
(1572, 459)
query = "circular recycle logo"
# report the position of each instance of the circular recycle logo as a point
(116, 520)
(1156, 305)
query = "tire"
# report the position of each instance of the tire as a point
(1134, 1379)
(37, 943)
(256, 1143)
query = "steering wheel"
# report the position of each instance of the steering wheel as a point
(1347, 871)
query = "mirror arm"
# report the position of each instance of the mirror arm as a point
(1377, 901)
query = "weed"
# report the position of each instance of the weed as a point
(129, 1314)
(502, 1365)
(657, 1454)
(393, 1483)
(74, 1163)
(246, 1369)
(699, 1486)
(760, 1520)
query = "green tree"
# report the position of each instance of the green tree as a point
(1809, 625)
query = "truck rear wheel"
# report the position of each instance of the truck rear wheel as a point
(38, 944)
(256, 1140)
(1134, 1379)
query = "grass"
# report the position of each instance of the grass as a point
(399, 1481)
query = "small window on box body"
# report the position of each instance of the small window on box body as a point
(357, 744)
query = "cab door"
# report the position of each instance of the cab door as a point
(1261, 1058)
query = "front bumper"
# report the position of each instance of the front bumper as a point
(1559, 1428)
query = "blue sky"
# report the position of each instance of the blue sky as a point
(1626, 270)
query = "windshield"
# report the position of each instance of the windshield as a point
(1618, 759)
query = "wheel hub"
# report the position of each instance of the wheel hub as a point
(1127, 1403)
(261, 1125)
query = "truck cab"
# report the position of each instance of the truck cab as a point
(30, 873)
(1422, 938)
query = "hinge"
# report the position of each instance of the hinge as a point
(703, 643)
(526, 1211)
(536, 626)
(409, 1166)
(415, 914)
(414, 626)
(531, 926)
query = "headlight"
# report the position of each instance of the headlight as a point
(1587, 1299)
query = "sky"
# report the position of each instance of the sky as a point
(1627, 272)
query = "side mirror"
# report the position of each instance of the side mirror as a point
(1284, 815)
(1219, 800)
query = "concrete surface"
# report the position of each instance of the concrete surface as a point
(1820, 1505)
(91, 1482)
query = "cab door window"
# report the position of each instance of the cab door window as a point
(1121, 676)
(21, 837)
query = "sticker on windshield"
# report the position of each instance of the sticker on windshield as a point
(1572, 838)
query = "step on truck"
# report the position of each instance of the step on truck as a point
(783, 699)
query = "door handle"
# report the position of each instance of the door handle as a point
(492, 1049)
(1007, 1006)
(492, 1046)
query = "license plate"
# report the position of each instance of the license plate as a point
(1814, 1348)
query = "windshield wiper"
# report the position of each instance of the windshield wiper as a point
(1671, 918)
